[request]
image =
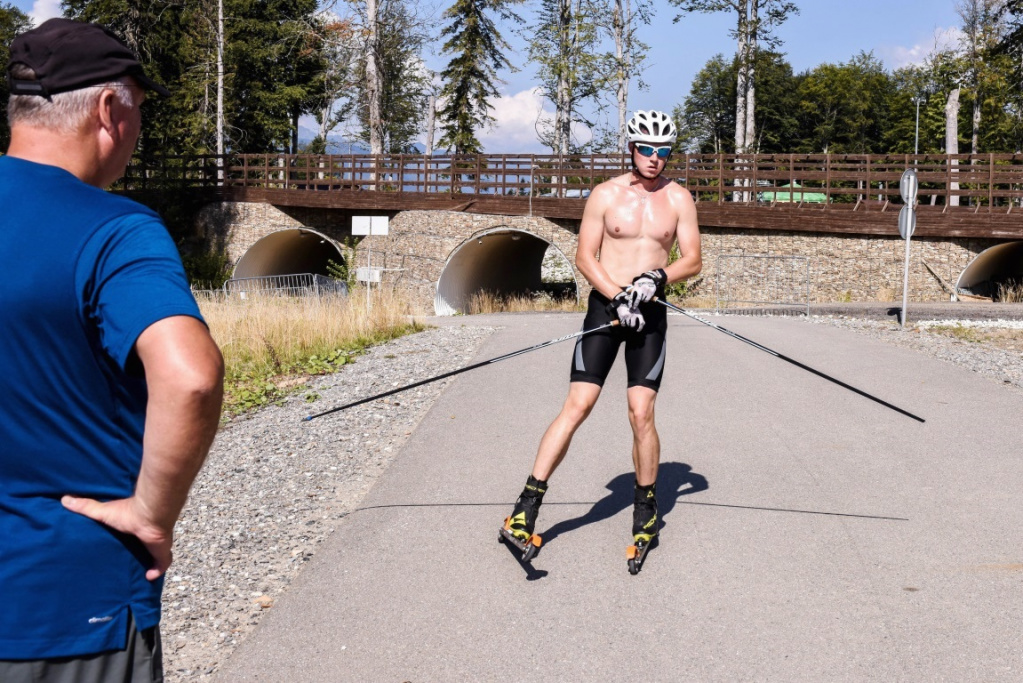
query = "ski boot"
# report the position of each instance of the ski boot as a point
(644, 526)
(518, 528)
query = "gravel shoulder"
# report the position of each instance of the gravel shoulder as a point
(275, 486)
(997, 354)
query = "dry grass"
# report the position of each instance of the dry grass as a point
(488, 302)
(1006, 339)
(695, 301)
(1010, 292)
(271, 344)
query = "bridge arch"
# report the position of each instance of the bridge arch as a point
(289, 252)
(1000, 264)
(501, 260)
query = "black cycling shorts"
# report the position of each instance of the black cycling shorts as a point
(644, 351)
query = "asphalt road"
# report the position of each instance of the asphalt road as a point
(809, 534)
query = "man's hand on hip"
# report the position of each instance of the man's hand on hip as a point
(644, 287)
(127, 516)
(627, 315)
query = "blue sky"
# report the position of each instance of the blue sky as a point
(898, 33)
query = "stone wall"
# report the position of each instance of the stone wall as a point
(845, 267)
(841, 267)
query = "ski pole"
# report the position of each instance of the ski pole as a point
(461, 370)
(789, 360)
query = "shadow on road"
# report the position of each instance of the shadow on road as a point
(674, 480)
(532, 573)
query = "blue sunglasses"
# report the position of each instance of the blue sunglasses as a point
(649, 150)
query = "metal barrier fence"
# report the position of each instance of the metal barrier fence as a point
(762, 280)
(303, 284)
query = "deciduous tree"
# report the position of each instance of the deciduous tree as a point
(756, 20)
(12, 22)
(403, 80)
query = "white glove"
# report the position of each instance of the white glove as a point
(644, 287)
(627, 315)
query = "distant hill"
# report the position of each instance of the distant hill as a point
(338, 144)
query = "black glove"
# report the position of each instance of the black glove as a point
(644, 287)
(626, 314)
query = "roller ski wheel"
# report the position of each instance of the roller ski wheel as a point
(644, 527)
(528, 546)
(636, 554)
(518, 527)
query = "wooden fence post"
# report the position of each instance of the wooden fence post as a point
(991, 182)
(827, 179)
(721, 178)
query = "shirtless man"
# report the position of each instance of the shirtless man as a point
(628, 228)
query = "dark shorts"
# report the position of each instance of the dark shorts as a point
(140, 662)
(644, 351)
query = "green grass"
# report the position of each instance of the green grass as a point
(272, 346)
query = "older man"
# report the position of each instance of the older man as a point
(110, 384)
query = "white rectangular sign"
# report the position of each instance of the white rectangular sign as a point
(368, 274)
(369, 225)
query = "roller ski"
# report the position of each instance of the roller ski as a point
(518, 528)
(644, 527)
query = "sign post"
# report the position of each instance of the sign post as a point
(369, 226)
(908, 187)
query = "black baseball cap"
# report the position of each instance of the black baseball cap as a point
(68, 55)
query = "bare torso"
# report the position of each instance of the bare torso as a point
(633, 229)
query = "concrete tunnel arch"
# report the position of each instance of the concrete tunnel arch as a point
(504, 261)
(1000, 264)
(290, 251)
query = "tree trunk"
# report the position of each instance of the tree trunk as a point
(975, 139)
(373, 85)
(952, 142)
(622, 26)
(741, 86)
(561, 114)
(742, 54)
(220, 88)
(572, 24)
(749, 139)
(431, 122)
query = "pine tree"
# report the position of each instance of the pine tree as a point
(477, 53)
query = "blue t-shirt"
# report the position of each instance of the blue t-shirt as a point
(85, 273)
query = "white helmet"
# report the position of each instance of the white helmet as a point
(651, 126)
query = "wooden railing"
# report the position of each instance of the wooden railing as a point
(984, 180)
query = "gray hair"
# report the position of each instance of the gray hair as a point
(64, 112)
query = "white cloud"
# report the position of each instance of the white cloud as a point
(517, 118)
(899, 56)
(43, 10)
(514, 129)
